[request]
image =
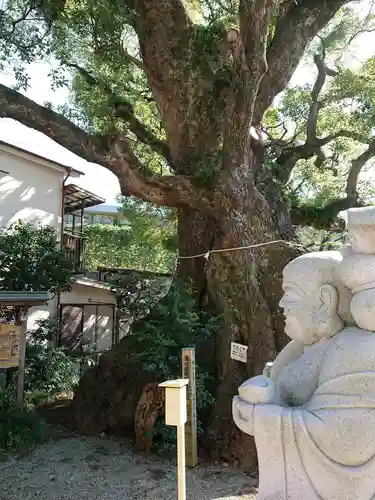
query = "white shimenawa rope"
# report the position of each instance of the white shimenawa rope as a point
(218, 250)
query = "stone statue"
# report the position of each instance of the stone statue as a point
(312, 412)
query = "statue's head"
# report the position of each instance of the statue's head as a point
(315, 302)
(358, 267)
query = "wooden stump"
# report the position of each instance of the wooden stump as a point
(150, 406)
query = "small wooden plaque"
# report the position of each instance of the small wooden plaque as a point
(188, 371)
(10, 337)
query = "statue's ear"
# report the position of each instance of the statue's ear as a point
(329, 298)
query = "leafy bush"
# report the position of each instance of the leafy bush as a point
(49, 371)
(137, 294)
(31, 259)
(173, 324)
(19, 429)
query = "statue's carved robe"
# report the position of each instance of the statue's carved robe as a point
(321, 445)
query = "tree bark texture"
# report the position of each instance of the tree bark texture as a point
(150, 406)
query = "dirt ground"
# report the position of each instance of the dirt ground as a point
(86, 468)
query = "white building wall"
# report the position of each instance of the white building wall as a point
(32, 191)
(83, 294)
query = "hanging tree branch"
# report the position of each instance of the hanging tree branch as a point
(111, 151)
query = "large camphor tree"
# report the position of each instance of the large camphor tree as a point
(172, 96)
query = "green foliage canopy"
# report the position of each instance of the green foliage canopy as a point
(98, 43)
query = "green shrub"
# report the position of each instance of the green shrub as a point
(51, 371)
(19, 429)
(173, 324)
(7, 400)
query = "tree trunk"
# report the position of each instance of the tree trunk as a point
(150, 406)
(245, 287)
(196, 235)
(248, 291)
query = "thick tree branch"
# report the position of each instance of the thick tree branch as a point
(320, 217)
(289, 156)
(166, 35)
(315, 93)
(165, 32)
(313, 144)
(124, 110)
(111, 152)
(138, 180)
(350, 134)
(294, 31)
(355, 169)
(254, 22)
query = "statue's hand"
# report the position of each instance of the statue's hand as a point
(267, 369)
(258, 390)
(243, 415)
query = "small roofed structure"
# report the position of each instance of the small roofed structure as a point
(13, 337)
(24, 299)
(77, 198)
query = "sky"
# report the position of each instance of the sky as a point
(98, 179)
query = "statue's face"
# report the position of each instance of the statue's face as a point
(308, 309)
(297, 305)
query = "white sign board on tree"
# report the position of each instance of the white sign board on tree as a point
(238, 352)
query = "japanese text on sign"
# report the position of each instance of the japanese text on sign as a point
(10, 336)
(188, 372)
(238, 352)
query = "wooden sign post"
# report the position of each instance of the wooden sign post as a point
(22, 318)
(188, 372)
(13, 337)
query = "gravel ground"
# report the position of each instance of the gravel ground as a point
(87, 469)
